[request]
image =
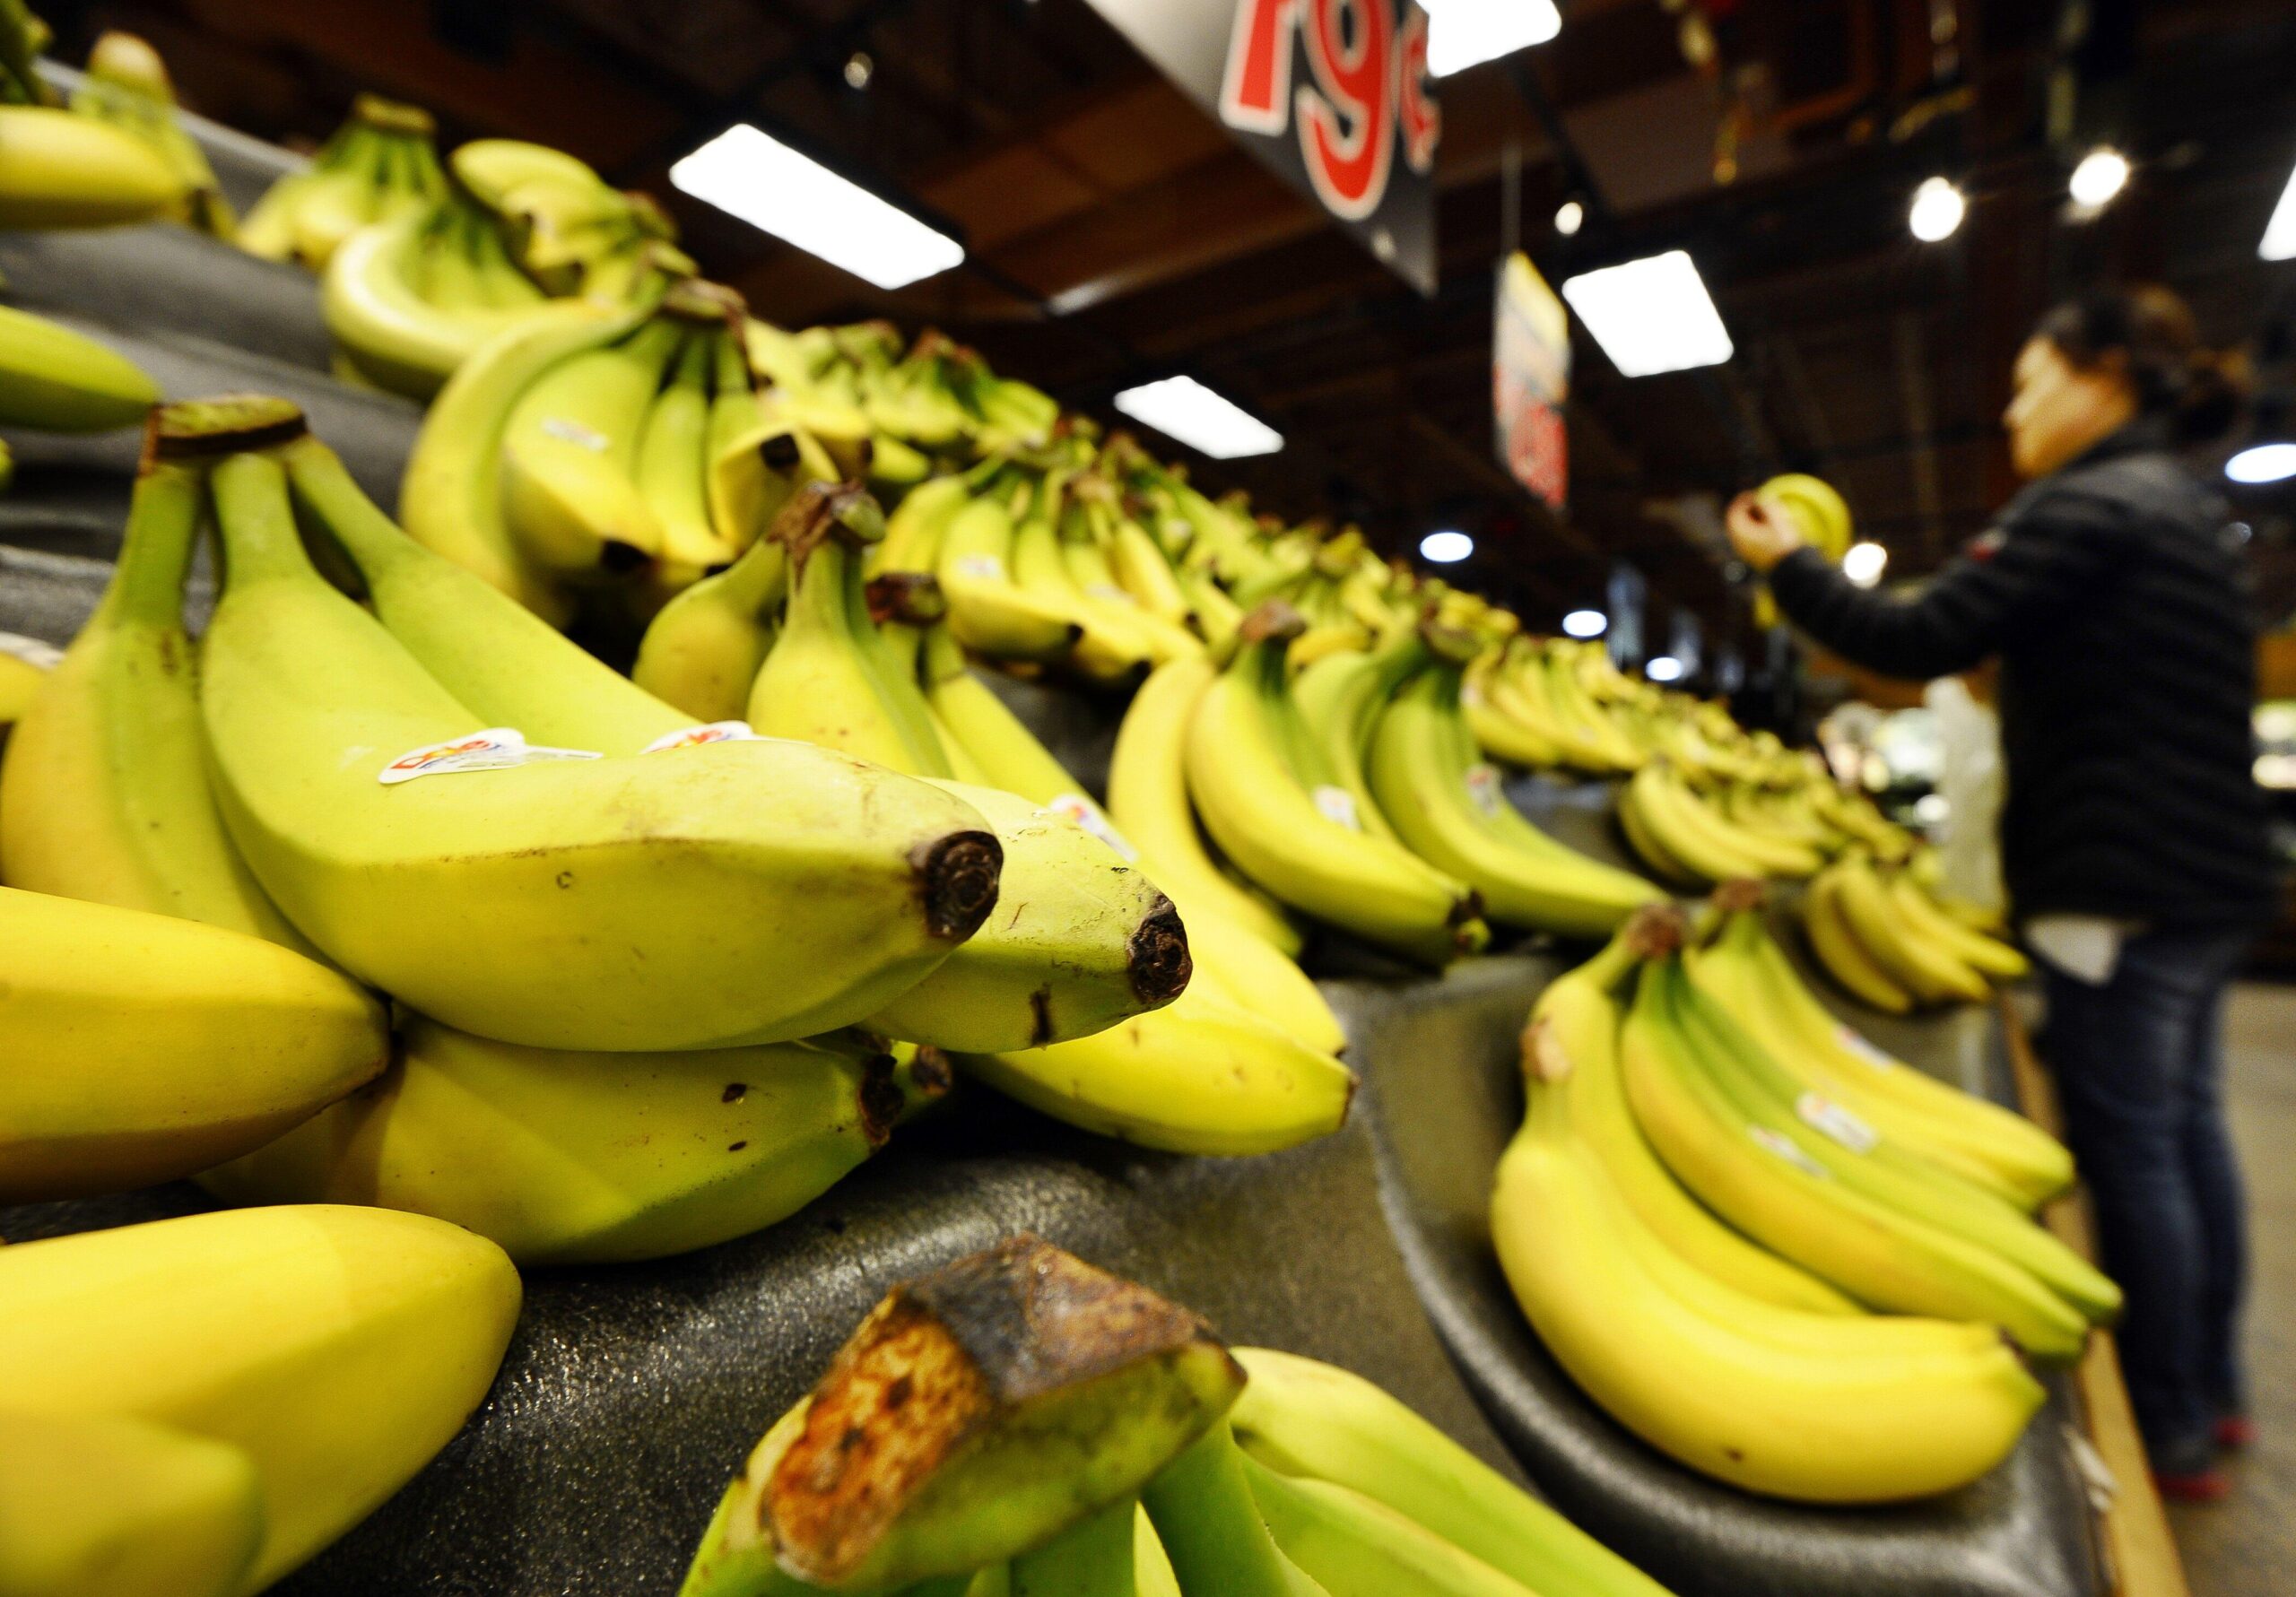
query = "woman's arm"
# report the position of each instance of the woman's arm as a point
(2013, 582)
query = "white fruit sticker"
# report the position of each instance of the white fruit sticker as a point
(1111, 592)
(1471, 694)
(1080, 810)
(1338, 805)
(575, 433)
(986, 566)
(1830, 1119)
(1482, 787)
(495, 748)
(708, 732)
(1783, 1147)
(1866, 1052)
(31, 651)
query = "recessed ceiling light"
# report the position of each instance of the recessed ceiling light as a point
(1570, 217)
(1586, 624)
(1447, 547)
(1863, 563)
(1665, 668)
(860, 69)
(2263, 463)
(748, 172)
(1651, 316)
(1207, 422)
(1464, 33)
(2102, 173)
(1938, 208)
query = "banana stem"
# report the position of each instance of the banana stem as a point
(155, 555)
(260, 543)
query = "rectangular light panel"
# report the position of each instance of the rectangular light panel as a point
(1651, 316)
(1183, 408)
(2280, 233)
(1464, 33)
(748, 172)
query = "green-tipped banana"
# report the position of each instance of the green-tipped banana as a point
(59, 171)
(702, 651)
(1213, 1530)
(1356, 1546)
(57, 380)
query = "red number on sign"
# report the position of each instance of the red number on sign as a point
(1346, 132)
(1418, 117)
(1256, 91)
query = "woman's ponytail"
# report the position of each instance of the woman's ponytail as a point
(2151, 333)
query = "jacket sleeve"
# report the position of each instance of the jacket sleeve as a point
(2012, 584)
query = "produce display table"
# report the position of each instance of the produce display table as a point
(631, 1394)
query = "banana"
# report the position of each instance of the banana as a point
(1499, 731)
(57, 380)
(1087, 534)
(485, 649)
(1867, 1161)
(24, 664)
(338, 1347)
(1681, 844)
(621, 903)
(671, 471)
(1196, 1076)
(1148, 801)
(569, 453)
(452, 499)
(1240, 745)
(1634, 826)
(1140, 565)
(1212, 1528)
(59, 171)
(1081, 942)
(1096, 1556)
(207, 1042)
(1108, 647)
(988, 610)
(742, 487)
(563, 1158)
(395, 335)
(1776, 855)
(1571, 1051)
(1791, 1422)
(1925, 965)
(1340, 696)
(915, 529)
(702, 651)
(1316, 1422)
(1841, 952)
(1768, 1187)
(1217, 616)
(1356, 1546)
(105, 793)
(1747, 972)
(127, 86)
(93, 1506)
(1988, 955)
(1420, 778)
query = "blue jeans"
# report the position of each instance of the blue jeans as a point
(2139, 1066)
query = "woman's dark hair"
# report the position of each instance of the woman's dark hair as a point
(2198, 389)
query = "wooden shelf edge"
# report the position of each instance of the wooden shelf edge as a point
(2140, 1552)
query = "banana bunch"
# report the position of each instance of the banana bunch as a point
(56, 380)
(128, 88)
(1531, 703)
(1691, 839)
(607, 456)
(1110, 1446)
(379, 165)
(566, 226)
(1690, 1175)
(199, 1406)
(62, 170)
(1878, 932)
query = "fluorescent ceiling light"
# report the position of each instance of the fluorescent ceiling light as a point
(1183, 408)
(1863, 563)
(1464, 33)
(1665, 668)
(1570, 217)
(1586, 624)
(1938, 208)
(2102, 173)
(1444, 547)
(2280, 233)
(2263, 463)
(1651, 316)
(767, 184)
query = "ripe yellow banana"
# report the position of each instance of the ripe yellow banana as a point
(105, 792)
(1571, 1052)
(57, 380)
(59, 171)
(1241, 748)
(1923, 963)
(1341, 696)
(1798, 1422)
(95, 1506)
(1498, 730)
(671, 468)
(561, 1157)
(339, 1347)
(394, 333)
(1841, 953)
(1678, 834)
(570, 456)
(1197, 1076)
(614, 903)
(988, 610)
(702, 650)
(1988, 955)
(206, 1043)
(452, 497)
(1148, 799)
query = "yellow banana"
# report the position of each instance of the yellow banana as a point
(570, 455)
(1840, 951)
(1924, 964)
(671, 471)
(1988, 955)
(59, 171)
(57, 380)
(338, 1347)
(988, 610)
(702, 651)
(96, 1507)
(395, 336)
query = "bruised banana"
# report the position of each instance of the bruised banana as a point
(594, 903)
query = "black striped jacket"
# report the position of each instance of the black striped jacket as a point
(2116, 597)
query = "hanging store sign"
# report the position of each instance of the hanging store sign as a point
(1530, 378)
(1332, 95)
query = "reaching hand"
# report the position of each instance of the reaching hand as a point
(1761, 535)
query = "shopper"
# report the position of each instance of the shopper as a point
(2133, 839)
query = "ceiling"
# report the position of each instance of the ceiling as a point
(1114, 231)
